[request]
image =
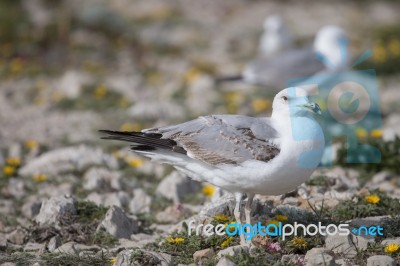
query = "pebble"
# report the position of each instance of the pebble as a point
(118, 224)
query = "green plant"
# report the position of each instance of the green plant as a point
(88, 211)
(390, 156)
(359, 207)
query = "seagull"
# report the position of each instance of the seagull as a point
(275, 38)
(276, 72)
(241, 154)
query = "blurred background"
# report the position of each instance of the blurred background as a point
(69, 68)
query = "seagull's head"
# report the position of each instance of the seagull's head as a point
(293, 102)
(331, 45)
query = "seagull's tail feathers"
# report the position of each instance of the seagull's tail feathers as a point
(218, 80)
(144, 142)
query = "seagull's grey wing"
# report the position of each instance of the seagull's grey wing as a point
(223, 139)
(281, 69)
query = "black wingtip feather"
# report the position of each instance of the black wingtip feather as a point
(145, 141)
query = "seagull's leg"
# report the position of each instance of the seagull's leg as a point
(247, 208)
(247, 211)
(236, 212)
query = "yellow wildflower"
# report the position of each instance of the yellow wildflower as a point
(376, 133)
(56, 96)
(392, 248)
(130, 127)
(175, 240)
(233, 97)
(361, 133)
(8, 170)
(38, 101)
(322, 104)
(31, 144)
(281, 218)
(16, 65)
(191, 75)
(124, 102)
(261, 105)
(274, 221)
(299, 242)
(394, 47)
(40, 178)
(100, 92)
(113, 260)
(227, 242)
(208, 190)
(232, 108)
(379, 53)
(232, 228)
(221, 218)
(373, 199)
(134, 162)
(13, 161)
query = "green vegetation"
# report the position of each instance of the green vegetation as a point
(88, 211)
(390, 156)
(360, 207)
(104, 239)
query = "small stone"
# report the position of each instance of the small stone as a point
(150, 257)
(16, 188)
(56, 209)
(170, 215)
(119, 198)
(232, 251)
(54, 243)
(7, 207)
(368, 221)
(3, 242)
(102, 179)
(17, 236)
(224, 261)
(343, 262)
(204, 253)
(140, 202)
(291, 201)
(143, 237)
(380, 260)
(68, 248)
(223, 205)
(319, 257)
(34, 247)
(362, 242)
(118, 224)
(388, 241)
(381, 177)
(176, 187)
(31, 208)
(341, 245)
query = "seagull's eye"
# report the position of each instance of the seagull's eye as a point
(284, 98)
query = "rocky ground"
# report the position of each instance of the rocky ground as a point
(70, 68)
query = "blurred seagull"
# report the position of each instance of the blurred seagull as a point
(241, 154)
(327, 54)
(275, 38)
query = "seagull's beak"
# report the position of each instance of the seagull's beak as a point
(312, 107)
